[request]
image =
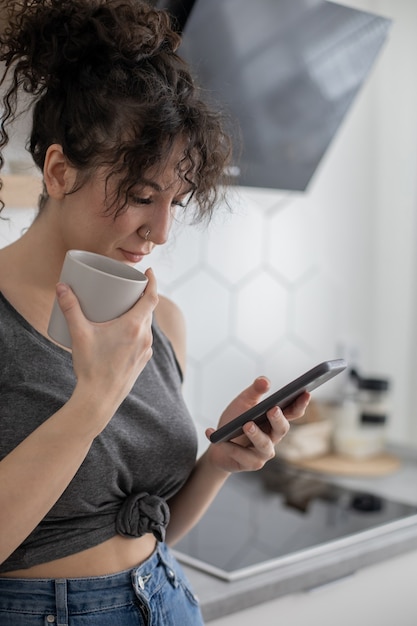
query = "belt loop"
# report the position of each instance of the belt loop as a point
(61, 602)
(169, 569)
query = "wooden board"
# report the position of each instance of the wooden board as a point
(378, 465)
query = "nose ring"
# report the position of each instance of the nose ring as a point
(148, 232)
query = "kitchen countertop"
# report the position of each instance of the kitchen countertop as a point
(325, 563)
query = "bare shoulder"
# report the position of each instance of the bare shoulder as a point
(172, 322)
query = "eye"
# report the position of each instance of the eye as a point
(138, 200)
(183, 200)
(179, 203)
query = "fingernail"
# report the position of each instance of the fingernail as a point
(61, 289)
(251, 428)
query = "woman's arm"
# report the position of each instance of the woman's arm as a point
(38, 470)
(248, 452)
(107, 359)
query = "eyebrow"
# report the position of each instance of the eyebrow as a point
(150, 183)
(156, 187)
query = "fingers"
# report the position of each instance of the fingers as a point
(279, 423)
(257, 446)
(298, 407)
(251, 395)
(149, 299)
(66, 298)
(70, 307)
(260, 385)
(258, 449)
(151, 291)
(246, 399)
(279, 427)
(109, 356)
(263, 443)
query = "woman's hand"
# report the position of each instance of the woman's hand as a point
(109, 356)
(248, 452)
(255, 447)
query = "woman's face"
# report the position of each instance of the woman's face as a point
(85, 224)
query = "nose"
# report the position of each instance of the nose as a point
(159, 222)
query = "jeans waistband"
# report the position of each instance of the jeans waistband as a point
(71, 594)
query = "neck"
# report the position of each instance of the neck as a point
(37, 257)
(29, 270)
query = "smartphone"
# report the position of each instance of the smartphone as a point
(282, 398)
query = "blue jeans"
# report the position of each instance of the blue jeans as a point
(156, 593)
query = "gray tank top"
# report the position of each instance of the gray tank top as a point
(141, 459)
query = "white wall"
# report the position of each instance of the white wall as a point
(394, 105)
(395, 339)
(342, 255)
(284, 280)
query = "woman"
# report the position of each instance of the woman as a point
(98, 472)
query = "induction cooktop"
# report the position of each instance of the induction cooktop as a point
(261, 519)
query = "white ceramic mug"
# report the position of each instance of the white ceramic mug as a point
(104, 287)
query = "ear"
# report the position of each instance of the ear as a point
(58, 174)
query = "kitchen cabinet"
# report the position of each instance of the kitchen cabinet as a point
(379, 595)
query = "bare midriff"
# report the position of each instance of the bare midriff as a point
(110, 557)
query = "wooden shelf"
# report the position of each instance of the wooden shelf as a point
(21, 191)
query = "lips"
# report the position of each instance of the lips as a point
(133, 257)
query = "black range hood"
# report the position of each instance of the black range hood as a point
(286, 72)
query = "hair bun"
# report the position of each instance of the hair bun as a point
(56, 41)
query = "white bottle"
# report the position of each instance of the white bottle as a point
(361, 429)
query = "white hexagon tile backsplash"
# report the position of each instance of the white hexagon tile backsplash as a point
(254, 292)
(255, 297)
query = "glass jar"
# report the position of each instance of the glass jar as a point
(363, 434)
(372, 397)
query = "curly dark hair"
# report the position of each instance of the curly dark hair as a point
(106, 83)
